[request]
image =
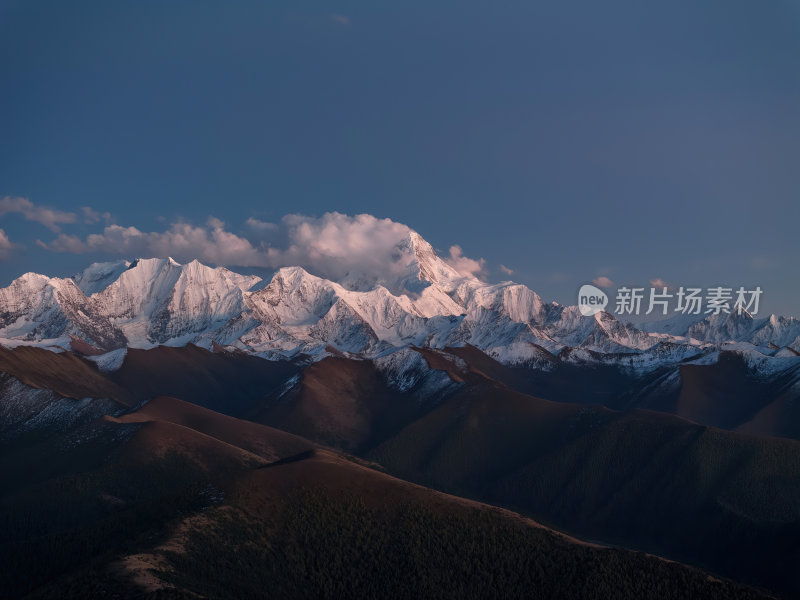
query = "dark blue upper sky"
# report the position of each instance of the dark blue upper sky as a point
(566, 140)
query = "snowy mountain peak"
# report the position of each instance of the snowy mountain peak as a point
(98, 276)
(420, 267)
(422, 301)
(431, 267)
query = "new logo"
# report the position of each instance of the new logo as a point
(591, 300)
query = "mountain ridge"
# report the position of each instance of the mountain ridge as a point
(423, 301)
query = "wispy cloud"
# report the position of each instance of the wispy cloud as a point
(506, 270)
(260, 225)
(5, 246)
(468, 267)
(602, 281)
(659, 283)
(91, 216)
(49, 217)
(210, 243)
(341, 19)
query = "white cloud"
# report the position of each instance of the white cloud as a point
(260, 225)
(467, 267)
(338, 246)
(65, 243)
(91, 216)
(49, 217)
(602, 282)
(659, 283)
(215, 223)
(5, 246)
(506, 270)
(209, 244)
(335, 246)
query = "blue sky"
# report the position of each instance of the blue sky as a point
(565, 140)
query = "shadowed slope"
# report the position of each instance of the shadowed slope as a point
(266, 442)
(727, 395)
(64, 373)
(319, 525)
(225, 381)
(640, 479)
(339, 402)
(781, 417)
(652, 481)
(174, 500)
(78, 498)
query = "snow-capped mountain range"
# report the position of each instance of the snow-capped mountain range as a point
(150, 302)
